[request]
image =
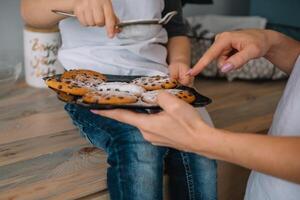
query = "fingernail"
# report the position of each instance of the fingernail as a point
(227, 67)
(94, 111)
(188, 73)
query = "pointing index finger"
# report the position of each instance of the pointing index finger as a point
(212, 53)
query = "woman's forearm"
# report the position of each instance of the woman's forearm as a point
(283, 51)
(277, 156)
(38, 13)
(179, 50)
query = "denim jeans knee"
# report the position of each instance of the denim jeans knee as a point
(85, 121)
(136, 166)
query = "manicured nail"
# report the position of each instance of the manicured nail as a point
(227, 67)
(94, 111)
(188, 73)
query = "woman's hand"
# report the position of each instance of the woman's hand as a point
(234, 49)
(96, 13)
(178, 71)
(177, 126)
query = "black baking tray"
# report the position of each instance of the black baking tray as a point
(200, 101)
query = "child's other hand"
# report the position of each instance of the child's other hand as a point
(178, 71)
(96, 13)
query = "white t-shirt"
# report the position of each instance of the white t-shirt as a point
(90, 48)
(286, 123)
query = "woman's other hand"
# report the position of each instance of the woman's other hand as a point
(234, 49)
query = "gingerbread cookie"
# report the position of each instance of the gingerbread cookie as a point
(155, 82)
(67, 86)
(111, 98)
(151, 96)
(121, 87)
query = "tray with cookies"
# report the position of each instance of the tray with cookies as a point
(97, 91)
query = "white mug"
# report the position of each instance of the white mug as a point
(40, 54)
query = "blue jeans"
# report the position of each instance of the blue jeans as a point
(136, 167)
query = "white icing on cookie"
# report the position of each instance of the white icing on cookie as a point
(121, 87)
(88, 80)
(155, 82)
(110, 97)
(152, 79)
(83, 81)
(151, 96)
(114, 94)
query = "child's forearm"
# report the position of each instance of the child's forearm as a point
(179, 50)
(38, 13)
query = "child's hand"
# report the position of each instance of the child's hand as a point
(96, 13)
(178, 71)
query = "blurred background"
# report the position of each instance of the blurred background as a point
(12, 25)
(284, 15)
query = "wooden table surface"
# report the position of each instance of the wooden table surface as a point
(42, 155)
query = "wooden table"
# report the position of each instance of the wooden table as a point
(42, 155)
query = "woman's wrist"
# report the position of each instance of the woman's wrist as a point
(206, 140)
(274, 40)
(283, 51)
(215, 143)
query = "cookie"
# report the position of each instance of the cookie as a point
(84, 78)
(155, 82)
(67, 86)
(151, 96)
(111, 98)
(65, 97)
(121, 87)
(82, 74)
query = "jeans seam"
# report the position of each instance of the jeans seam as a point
(119, 175)
(189, 177)
(166, 153)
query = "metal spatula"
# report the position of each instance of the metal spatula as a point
(162, 21)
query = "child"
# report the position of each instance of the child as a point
(136, 166)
